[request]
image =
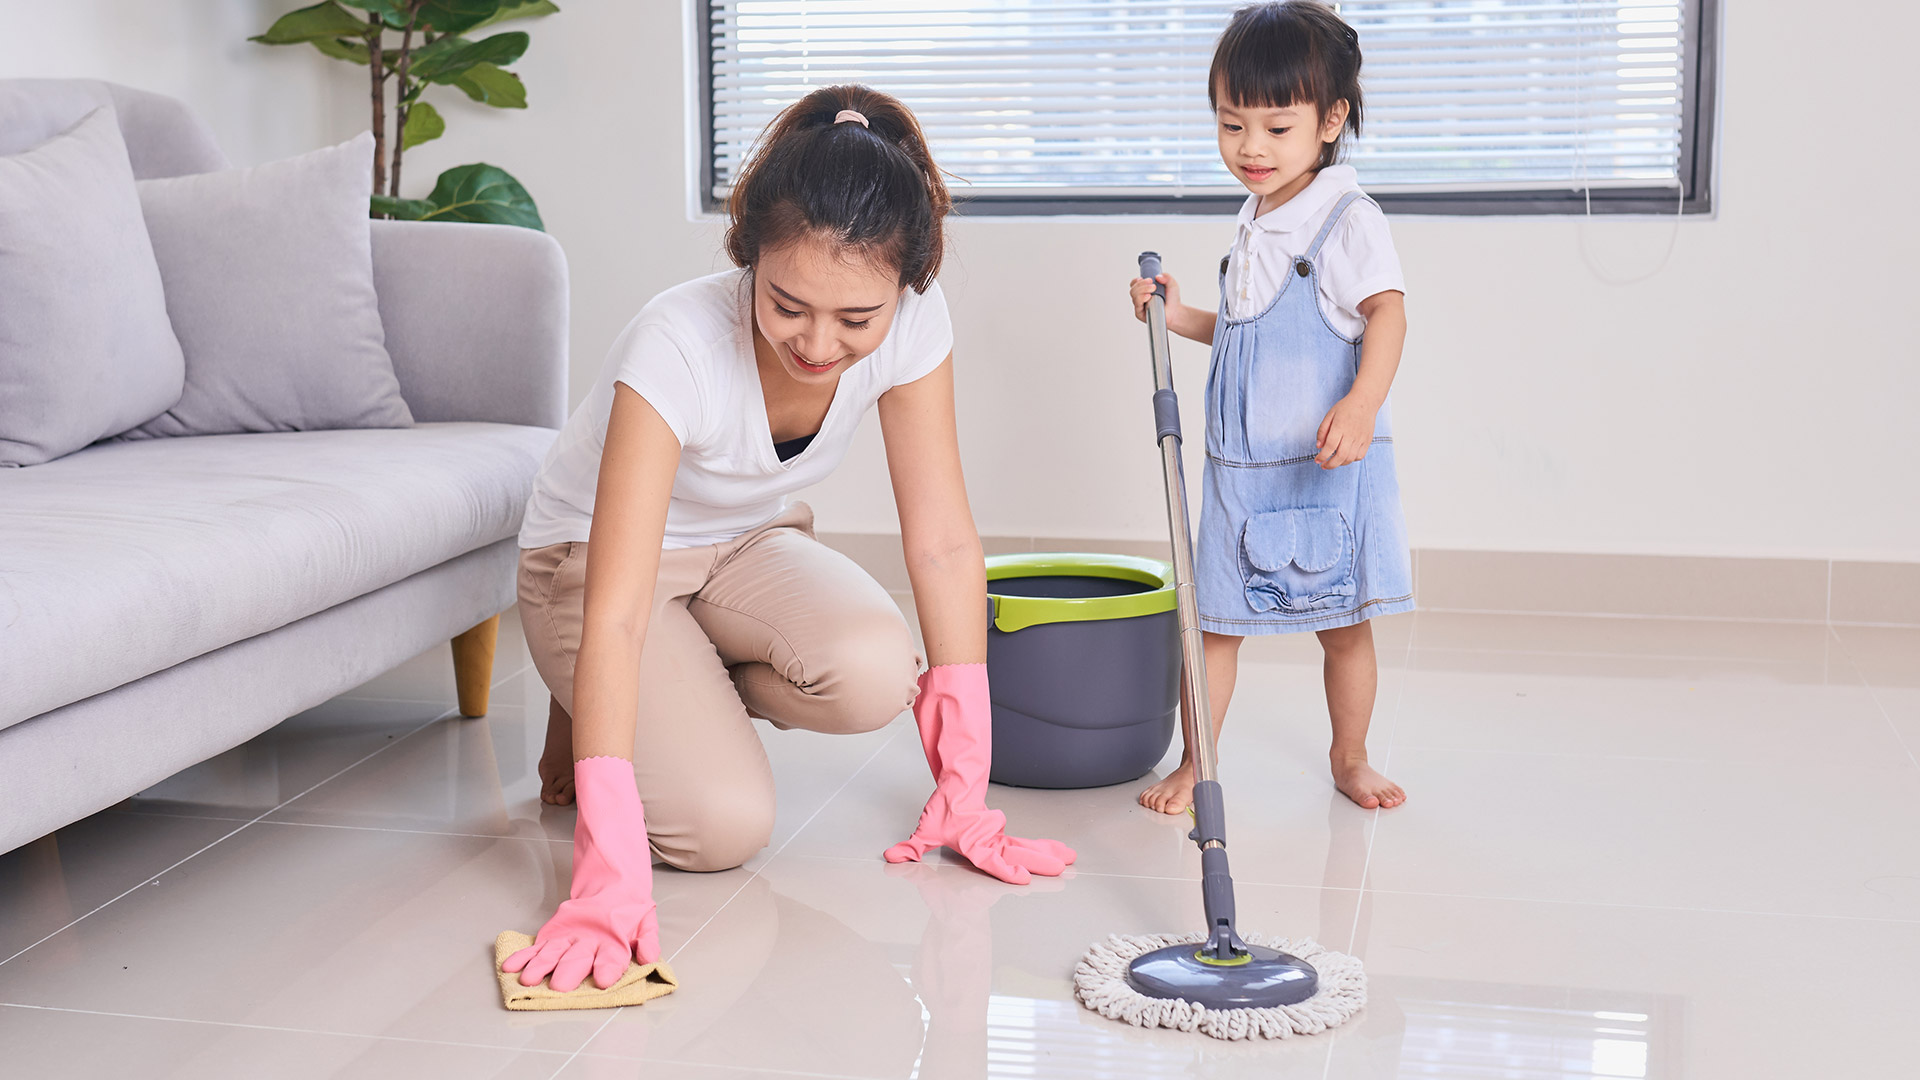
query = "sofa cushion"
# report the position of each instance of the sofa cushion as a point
(127, 558)
(269, 283)
(86, 350)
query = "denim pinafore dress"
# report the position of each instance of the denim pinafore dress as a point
(1285, 545)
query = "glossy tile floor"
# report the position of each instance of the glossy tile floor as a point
(1633, 848)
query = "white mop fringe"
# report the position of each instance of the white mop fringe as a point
(1100, 982)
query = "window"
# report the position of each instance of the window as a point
(1078, 106)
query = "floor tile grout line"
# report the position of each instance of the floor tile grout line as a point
(1373, 830)
(1768, 620)
(1675, 908)
(748, 1070)
(788, 842)
(1596, 654)
(414, 1040)
(416, 832)
(828, 801)
(144, 882)
(1874, 693)
(494, 685)
(1431, 748)
(276, 1028)
(596, 1034)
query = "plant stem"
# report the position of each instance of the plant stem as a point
(377, 68)
(402, 104)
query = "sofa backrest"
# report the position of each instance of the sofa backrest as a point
(163, 136)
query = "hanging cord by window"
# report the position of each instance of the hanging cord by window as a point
(1599, 268)
(1583, 179)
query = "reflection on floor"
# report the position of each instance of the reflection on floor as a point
(1633, 848)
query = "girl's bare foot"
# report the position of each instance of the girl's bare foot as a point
(1360, 782)
(1172, 795)
(556, 780)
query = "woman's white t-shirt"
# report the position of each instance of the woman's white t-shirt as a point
(689, 353)
(1356, 262)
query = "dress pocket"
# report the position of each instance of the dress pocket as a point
(1297, 560)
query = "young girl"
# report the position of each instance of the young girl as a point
(1300, 525)
(669, 591)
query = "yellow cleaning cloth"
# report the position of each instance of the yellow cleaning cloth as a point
(641, 983)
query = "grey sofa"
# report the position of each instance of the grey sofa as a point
(162, 601)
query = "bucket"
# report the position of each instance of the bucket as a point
(1083, 657)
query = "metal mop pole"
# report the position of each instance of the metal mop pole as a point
(1209, 809)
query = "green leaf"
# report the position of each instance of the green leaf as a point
(457, 16)
(434, 50)
(321, 21)
(493, 86)
(520, 9)
(392, 12)
(423, 125)
(342, 49)
(445, 65)
(485, 193)
(404, 209)
(440, 16)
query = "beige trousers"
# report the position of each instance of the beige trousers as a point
(771, 624)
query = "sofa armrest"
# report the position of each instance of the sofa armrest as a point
(476, 320)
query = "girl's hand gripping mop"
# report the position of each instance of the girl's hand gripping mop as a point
(1215, 982)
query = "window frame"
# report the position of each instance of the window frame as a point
(1699, 145)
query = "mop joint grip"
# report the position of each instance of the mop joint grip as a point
(1166, 415)
(1209, 814)
(1216, 896)
(1150, 269)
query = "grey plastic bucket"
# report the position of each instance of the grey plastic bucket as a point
(1083, 657)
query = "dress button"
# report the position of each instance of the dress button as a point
(1303, 267)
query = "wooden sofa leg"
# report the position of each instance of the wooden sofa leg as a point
(473, 666)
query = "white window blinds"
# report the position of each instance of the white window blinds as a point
(1108, 97)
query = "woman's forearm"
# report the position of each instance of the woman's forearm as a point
(623, 569)
(949, 580)
(606, 683)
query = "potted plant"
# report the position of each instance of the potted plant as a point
(434, 47)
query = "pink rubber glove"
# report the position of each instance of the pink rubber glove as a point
(955, 717)
(609, 919)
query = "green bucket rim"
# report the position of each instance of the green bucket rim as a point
(1011, 613)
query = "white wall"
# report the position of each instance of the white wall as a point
(262, 103)
(1753, 393)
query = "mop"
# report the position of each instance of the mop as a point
(1215, 982)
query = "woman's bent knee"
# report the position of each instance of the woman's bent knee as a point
(875, 678)
(716, 829)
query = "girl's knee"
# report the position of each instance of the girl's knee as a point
(1346, 638)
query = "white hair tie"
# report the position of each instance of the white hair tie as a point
(854, 115)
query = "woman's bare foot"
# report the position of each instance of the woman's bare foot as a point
(1360, 782)
(1172, 795)
(556, 761)
(556, 780)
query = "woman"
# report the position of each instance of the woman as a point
(706, 599)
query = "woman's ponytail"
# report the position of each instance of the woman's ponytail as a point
(869, 186)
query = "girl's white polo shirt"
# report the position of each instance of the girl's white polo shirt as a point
(1357, 260)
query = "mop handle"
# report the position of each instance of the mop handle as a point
(1209, 807)
(1166, 411)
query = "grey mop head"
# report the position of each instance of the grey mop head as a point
(1100, 982)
